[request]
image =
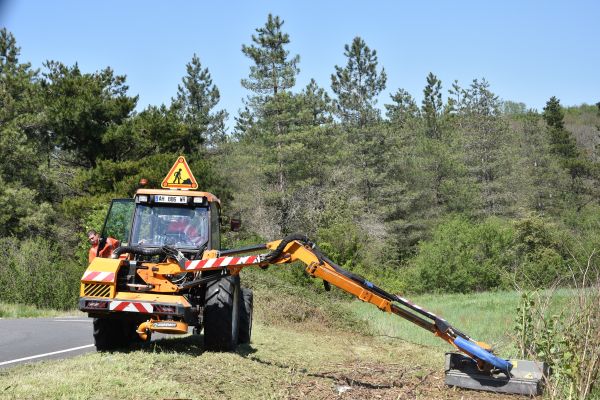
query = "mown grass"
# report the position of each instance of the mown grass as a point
(280, 363)
(306, 344)
(8, 310)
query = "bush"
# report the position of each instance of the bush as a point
(568, 341)
(32, 272)
(539, 251)
(462, 257)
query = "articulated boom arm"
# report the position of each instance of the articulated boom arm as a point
(299, 248)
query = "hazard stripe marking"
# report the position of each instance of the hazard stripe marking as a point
(220, 262)
(131, 306)
(99, 276)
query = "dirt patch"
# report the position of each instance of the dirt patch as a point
(380, 381)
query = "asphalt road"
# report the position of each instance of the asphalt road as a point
(33, 339)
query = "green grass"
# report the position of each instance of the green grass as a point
(488, 317)
(280, 363)
(9, 310)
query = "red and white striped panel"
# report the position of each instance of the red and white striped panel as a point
(98, 276)
(131, 306)
(220, 262)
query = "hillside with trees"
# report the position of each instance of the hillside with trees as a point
(461, 192)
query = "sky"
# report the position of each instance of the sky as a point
(527, 50)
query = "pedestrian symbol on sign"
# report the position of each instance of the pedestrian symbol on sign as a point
(180, 176)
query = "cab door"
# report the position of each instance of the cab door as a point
(118, 220)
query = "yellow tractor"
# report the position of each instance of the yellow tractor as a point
(170, 274)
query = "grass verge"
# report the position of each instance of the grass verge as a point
(9, 310)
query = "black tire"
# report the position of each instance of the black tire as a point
(106, 334)
(246, 306)
(112, 333)
(221, 314)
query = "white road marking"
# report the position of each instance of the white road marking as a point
(72, 320)
(45, 354)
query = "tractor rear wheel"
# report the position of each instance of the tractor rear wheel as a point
(107, 334)
(114, 333)
(221, 314)
(246, 306)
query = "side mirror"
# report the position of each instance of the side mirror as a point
(235, 223)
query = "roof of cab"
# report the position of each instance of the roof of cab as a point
(170, 192)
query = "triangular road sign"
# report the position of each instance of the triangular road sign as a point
(180, 176)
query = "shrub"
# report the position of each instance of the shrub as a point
(462, 257)
(568, 341)
(33, 273)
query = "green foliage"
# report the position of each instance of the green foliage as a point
(432, 105)
(22, 213)
(196, 98)
(358, 84)
(81, 106)
(568, 342)
(403, 110)
(463, 257)
(32, 272)
(273, 72)
(538, 253)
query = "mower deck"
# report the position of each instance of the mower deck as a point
(527, 377)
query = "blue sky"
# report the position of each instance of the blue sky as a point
(527, 50)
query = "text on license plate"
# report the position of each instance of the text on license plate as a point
(170, 199)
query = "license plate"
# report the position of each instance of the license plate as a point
(170, 199)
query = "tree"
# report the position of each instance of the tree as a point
(197, 96)
(80, 108)
(316, 105)
(487, 145)
(403, 109)
(271, 112)
(358, 84)
(432, 105)
(561, 140)
(584, 175)
(273, 71)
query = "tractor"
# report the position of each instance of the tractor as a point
(170, 275)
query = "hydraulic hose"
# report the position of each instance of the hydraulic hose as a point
(144, 251)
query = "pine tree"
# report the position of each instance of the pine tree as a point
(273, 71)
(358, 84)
(316, 105)
(403, 109)
(197, 96)
(432, 106)
(271, 109)
(561, 140)
(487, 146)
(81, 107)
(584, 179)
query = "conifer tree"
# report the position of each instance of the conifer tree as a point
(271, 108)
(403, 109)
(273, 70)
(197, 96)
(432, 106)
(561, 140)
(358, 84)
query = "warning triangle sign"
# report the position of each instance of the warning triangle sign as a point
(180, 176)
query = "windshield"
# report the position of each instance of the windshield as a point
(159, 225)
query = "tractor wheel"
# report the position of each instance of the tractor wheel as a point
(246, 306)
(108, 334)
(221, 314)
(113, 333)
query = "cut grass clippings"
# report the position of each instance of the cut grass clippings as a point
(280, 363)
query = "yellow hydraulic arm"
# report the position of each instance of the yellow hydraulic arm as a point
(299, 248)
